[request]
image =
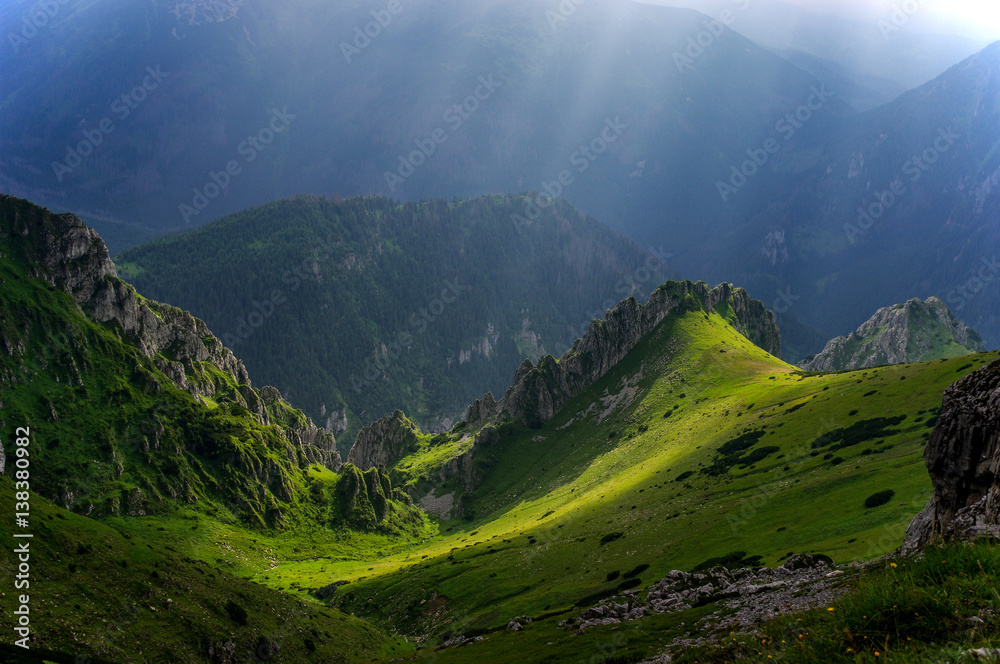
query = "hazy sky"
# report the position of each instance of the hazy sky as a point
(976, 19)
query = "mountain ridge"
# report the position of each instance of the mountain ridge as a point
(357, 307)
(538, 392)
(915, 331)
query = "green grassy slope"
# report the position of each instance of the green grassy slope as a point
(612, 483)
(172, 484)
(96, 592)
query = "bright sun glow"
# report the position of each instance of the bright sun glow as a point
(975, 19)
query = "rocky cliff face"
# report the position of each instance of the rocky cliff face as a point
(911, 332)
(383, 442)
(539, 391)
(62, 251)
(963, 458)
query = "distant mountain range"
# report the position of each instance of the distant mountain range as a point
(165, 115)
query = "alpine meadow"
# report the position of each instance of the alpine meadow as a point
(503, 332)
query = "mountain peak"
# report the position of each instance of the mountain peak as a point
(539, 391)
(914, 331)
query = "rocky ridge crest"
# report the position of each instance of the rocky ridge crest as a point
(67, 254)
(540, 391)
(898, 334)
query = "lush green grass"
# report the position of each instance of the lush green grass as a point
(609, 464)
(98, 592)
(912, 611)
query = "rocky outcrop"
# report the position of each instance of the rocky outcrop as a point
(314, 445)
(483, 408)
(903, 333)
(463, 467)
(364, 498)
(963, 458)
(383, 442)
(65, 253)
(538, 392)
(746, 597)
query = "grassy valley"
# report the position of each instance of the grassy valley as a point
(630, 476)
(182, 515)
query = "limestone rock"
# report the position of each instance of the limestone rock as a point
(910, 332)
(540, 391)
(963, 458)
(383, 442)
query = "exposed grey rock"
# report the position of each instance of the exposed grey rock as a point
(482, 409)
(539, 392)
(383, 442)
(461, 640)
(963, 458)
(746, 596)
(71, 256)
(983, 654)
(463, 466)
(517, 624)
(899, 334)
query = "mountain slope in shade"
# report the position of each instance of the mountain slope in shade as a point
(514, 96)
(141, 410)
(357, 307)
(916, 331)
(898, 202)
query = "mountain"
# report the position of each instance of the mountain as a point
(128, 410)
(880, 207)
(669, 130)
(354, 308)
(683, 445)
(261, 102)
(210, 521)
(867, 54)
(916, 331)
